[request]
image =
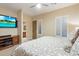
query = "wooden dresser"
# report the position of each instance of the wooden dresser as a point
(15, 40)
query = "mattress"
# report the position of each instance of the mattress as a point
(44, 46)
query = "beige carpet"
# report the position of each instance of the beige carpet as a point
(8, 51)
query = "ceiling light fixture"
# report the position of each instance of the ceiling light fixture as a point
(39, 5)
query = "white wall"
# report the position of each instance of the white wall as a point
(7, 31)
(49, 19)
(28, 23)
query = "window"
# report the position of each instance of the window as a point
(39, 28)
(61, 26)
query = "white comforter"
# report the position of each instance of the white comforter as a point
(44, 46)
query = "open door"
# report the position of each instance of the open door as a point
(34, 29)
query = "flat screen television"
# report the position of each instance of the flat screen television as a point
(8, 22)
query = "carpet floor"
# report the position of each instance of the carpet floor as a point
(8, 51)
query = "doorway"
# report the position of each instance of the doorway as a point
(34, 29)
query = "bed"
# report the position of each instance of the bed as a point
(44, 46)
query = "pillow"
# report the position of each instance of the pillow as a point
(68, 47)
(70, 36)
(75, 48)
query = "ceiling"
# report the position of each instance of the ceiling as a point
(26, 7)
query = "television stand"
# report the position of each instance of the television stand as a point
(7, 41)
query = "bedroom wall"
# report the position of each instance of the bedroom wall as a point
(49, 19)
(24, 20)
(7, 31)
(28, 23)
(20, 16)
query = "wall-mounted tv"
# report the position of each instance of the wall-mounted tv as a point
(8, 22)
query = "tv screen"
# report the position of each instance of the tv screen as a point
(7, 22)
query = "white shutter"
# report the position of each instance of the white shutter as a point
(61, 26)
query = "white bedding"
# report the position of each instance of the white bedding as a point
(44, 46)
(75, 48)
